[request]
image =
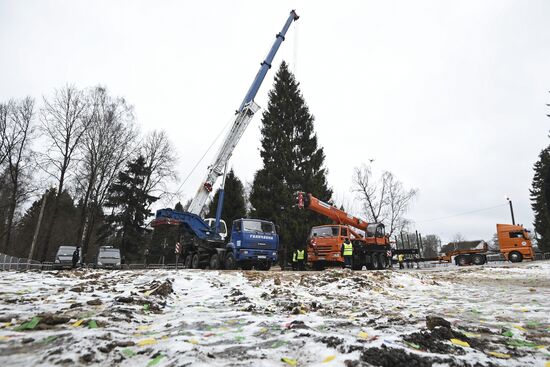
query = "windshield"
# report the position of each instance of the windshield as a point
(109, 254)
(329, 231)
(258, 226)
(66, 250)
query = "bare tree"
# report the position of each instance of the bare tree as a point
(107, 145)
(431, 246)
(4, 113)
(160, 159)
(384, 200)
(19, 133)
(457, 239)
(372, 193)
(65, 118)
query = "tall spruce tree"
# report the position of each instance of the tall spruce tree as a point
(292, 161)
(130, 208)
(234, 206)
(540, 199)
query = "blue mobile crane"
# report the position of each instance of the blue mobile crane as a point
(253, 242)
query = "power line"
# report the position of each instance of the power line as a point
(463, 213)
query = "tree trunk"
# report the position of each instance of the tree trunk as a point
(46, 248)
(84, 217)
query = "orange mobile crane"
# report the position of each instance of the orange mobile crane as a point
(371, 246)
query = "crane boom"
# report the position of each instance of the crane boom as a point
(310, 202)
(244, 114)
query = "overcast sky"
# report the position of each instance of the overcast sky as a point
(448, 95)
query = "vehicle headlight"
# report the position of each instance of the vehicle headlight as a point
(336, 255)
(117, 264)
(99, 263)
(57, 261)
(245, 252)
(274, 254)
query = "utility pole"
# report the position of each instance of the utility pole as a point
(402, 241)
(511, 210)
(421, 245)
(37, 229)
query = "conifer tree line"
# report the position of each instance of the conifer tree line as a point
(81, 151)
(540, 199)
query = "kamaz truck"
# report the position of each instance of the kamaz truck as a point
(370, 243)
(253, 243)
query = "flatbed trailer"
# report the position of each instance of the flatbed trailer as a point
(476, 256)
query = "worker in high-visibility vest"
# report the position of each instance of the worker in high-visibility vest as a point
(301, 259)
(400, 259)
(347, 252)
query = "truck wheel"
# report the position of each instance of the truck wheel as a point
(195, 261)
(462, 260)
(375, 261)
(265, 266)
(246, 266)
(515, 257)
(214, 262)
(230, 263)
(369, 261)
(478, 259)
(318, 266)
(187, 262)
(381, 261)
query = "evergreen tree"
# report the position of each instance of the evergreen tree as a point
(63, 233)
(234, 206)
(292, 162)
(540, 199)
(130, 203)
(178, 207)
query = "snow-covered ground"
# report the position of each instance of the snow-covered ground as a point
(497, 316)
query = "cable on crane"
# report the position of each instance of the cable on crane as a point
(295, 56)
(178, 191)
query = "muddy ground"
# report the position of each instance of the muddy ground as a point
(476, 316)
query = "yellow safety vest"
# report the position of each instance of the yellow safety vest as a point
(400, 257)
(300, 254)
(348, 249)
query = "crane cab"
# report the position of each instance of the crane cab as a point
(211, 222)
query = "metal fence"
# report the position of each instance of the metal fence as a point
(12, 263)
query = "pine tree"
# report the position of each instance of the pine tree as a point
(178, 207)
(234, 206)
(63, 233)
(130, 208)
(292, 162)
(540, 199)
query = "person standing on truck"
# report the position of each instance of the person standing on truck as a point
(400, 259)
(76, 256)
(347, 252)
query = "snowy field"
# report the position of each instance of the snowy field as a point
(475, 316)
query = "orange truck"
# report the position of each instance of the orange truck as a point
(370, 244)
(514, 244)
